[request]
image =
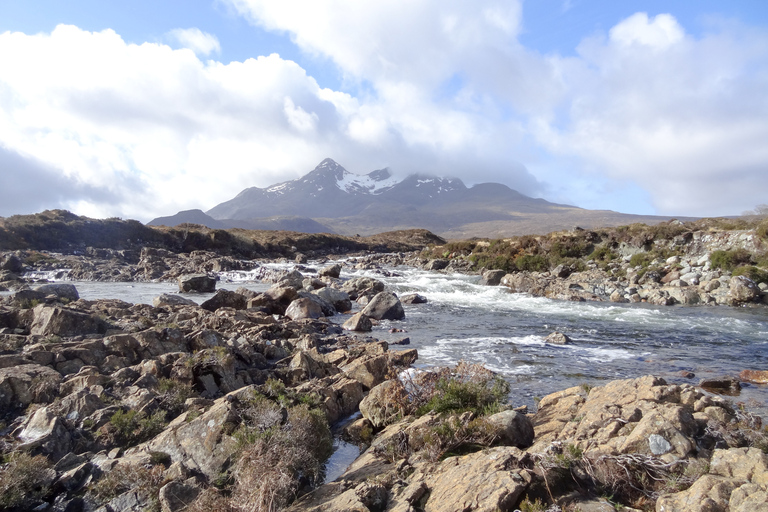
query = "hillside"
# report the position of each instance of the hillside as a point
(331, 199)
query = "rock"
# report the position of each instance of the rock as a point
(303, 308)
(413, 298)
(437, 264)
(558, 338)
(45, 433)
(741, 289)
(26, 384)
(617, 296)
(338, 298)
(361, 286)
(743, 464)
(170, 299)
(293, 279)
(492, 277)
(225, 299)
(560, 271)
(202, 444)
(515, 429)
(64, 291)
(721, 384)
(378, 407)
(749, 498)
(480, 482)
(384, 306)
(11, 263)
(58, 321)
(176, 496)
(358, 322)
(708, 494)
(756, 376)
(368, 371)
(333, 271)
(198, 283)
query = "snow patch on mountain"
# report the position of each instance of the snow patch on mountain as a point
(374, 183)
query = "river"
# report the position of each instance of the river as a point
(506, 332)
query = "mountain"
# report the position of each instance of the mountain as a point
(331, 199)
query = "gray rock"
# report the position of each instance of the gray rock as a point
(742, 290)
(492, 277)
(225, 299)
(338, 298)
(60, 290)
(59, 321)
(170, 299)
(330, 271)
(176, 496)
(413, 298)
(358, 322)
(303, 308)
(558, 338)
(199, 283)
(438, 264)
(515, 428)
(384, 306)
(658, 444)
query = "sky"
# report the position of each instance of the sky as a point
(145, 108)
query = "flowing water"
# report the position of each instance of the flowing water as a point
(506, 332)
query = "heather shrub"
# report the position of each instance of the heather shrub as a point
(273, 467)
(730, 259)
(757, 275)
(145, 481)
(24, 480)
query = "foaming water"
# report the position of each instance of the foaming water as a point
(506, 332)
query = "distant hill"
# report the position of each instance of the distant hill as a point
(331, 199)
(280, 223)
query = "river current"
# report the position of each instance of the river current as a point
(506, 332)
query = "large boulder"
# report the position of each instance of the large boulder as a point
(481, 482)
(45, 433)
(741, 289)
(11, 263)
(492, 277)
(378, 406)
(62, 291)
(59, 321)
(515, 428)
(339, 298)
(358, 322)
(303, 308)
(171, 299)
(225, 299)
(28, 383)
(362, 286)
(385, 306)
(198, 283)
(202, 444)
(330, 271)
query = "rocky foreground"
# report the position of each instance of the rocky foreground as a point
(232, 405)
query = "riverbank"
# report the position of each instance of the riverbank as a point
(114, 406)
(708, 262)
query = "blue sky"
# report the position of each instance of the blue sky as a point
(143, 108)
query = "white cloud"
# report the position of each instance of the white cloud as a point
(196, 40)
(146, 130)
(661, 32)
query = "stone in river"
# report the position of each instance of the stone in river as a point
(200, 283)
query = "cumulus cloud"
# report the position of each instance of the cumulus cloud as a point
(673, 121)
(196, 40)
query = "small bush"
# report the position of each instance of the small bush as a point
(133, 427)
(532, 263)
(24, 480)
(730, 259)
(603, 254)
(145, 481)
(641, 259)
(467, 387)
(268, 474)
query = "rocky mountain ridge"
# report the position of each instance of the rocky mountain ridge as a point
(332, 199)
